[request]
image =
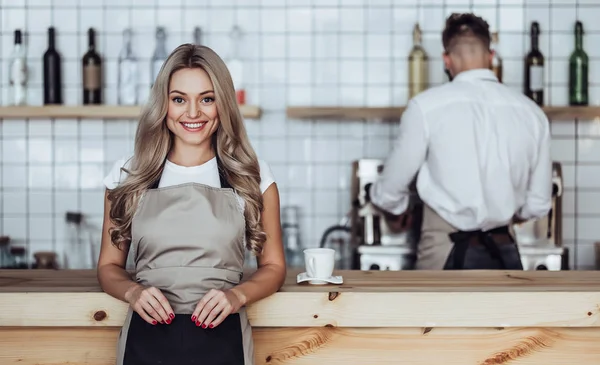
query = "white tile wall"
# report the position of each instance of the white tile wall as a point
(297, 52)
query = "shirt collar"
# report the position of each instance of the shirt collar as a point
(476, 74)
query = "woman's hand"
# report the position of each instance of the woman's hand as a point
(215, 306)
(150, 304)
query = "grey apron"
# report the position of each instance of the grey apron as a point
(186, 240)
(443, 247)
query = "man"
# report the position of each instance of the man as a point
(482, 154)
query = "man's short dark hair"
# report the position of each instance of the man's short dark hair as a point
(465, 25)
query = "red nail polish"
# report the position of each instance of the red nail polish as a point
(193, 318)
(171, 316)
(203, 325)
(168, 321)
(197, 324)
(154, 322)
(210, 325)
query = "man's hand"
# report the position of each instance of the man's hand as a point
(398, 223)
(517, 220)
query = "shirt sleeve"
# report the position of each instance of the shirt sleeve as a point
(539, 192)
(266, 176)
(116, 175)
(390, 191)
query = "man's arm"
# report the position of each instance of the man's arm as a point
(391, 191)
(539, 192)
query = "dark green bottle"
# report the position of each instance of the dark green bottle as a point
(578, 70)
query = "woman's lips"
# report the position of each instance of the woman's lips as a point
(193, 126)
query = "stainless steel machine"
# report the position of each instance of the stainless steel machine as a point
(378, 246)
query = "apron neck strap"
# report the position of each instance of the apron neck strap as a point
(222, 178)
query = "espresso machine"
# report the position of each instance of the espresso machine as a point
(540, 240)
(378, 246)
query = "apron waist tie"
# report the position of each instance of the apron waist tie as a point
(463, 239)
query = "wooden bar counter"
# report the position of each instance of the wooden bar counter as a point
(407, 317)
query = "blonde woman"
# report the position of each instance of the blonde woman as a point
(187, 204)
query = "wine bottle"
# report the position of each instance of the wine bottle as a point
(496, 59)
(534, 68)
(128, 72)
(160, 54)
(417, 65)
(236, 66)
(52, 72)
(578, 70)
(92, 75)
(18, 73)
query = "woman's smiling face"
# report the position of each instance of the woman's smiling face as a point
(192, 114)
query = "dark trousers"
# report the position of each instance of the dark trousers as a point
(478, 250)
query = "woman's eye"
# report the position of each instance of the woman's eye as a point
(208, 100)
(178, 100)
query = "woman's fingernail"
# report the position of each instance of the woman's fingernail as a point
(210, 325)
(154, 322)
(193, 318)
(168, 321)
(171, 316)
(197, 324)
(203, 325)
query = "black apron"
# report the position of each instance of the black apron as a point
(484, 250)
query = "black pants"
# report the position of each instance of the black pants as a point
(478, 250)
(182, 343)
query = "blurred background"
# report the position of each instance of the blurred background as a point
(284, 54)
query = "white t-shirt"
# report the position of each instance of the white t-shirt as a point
(207, 174)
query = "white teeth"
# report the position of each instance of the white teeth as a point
(193, 125)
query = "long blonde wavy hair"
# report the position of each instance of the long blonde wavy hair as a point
(153, 141)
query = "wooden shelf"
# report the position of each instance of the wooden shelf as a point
(394, 113)
(92, 112)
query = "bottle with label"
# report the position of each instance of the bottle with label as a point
(52, 72)
(128, 73)
(534, 68)
(92, 75)
(417, 65)
(18, 73)
(236, 66)
(496, 59)
(578, 70)
(197, 36)
(160, 54)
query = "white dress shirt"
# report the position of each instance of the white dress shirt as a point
(481, 151)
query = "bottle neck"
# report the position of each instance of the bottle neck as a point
(18, 39)
(128, 50)
(51, 40)
(534, 42)
(578, 41)
(91, 42)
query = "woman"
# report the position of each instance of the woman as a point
(187, 204)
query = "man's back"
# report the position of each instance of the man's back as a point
(487, 152)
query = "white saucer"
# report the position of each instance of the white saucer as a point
(330, 280)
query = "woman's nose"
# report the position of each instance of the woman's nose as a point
(193, 110)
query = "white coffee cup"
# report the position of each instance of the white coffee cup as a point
(319, 262)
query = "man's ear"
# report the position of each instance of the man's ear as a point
(447, 60)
